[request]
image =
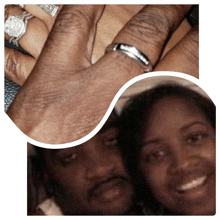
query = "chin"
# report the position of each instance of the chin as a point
(120, 209)
(115, 211)
(203, 211)
(198, 211)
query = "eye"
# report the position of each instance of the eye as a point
(154, 156)
(111, 141)
(68, 158)
(196, 138)
(110, 138)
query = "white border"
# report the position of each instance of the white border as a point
(13, 157)
(117, 96)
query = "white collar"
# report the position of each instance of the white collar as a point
(50, 207)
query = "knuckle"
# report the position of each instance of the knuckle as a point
(149, 28)
(170, 15)
(154, 24)
(70, 20)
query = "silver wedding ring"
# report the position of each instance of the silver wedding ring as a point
(16, 26)
(50, 9)
(132, 52)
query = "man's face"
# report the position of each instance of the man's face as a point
(90, 178)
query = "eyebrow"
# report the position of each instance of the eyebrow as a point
(203, 123)
(57, 152)
(151, 141)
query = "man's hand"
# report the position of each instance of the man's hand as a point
(65, 96)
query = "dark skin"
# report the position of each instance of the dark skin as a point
(177, 159)
(19, 65)
(56, 103)
(90, 178)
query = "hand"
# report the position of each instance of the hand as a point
(66, 96)
(18, 65)
(114, 18)
(184, 57)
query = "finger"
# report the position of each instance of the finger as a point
(36, 34)
(114, 19)
(184, 57)
(151, 28)
(39, 13)
(181, 31)
(71, 39)
(18, 65)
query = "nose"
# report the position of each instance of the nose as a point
(182, 160)
(100, 167)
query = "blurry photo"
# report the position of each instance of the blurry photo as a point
(155, 155)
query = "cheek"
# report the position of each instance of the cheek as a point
(155, 177)
(69, 179)
(156, 180)
(208, 153)
(211, 151)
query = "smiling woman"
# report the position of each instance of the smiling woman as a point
(171, 139)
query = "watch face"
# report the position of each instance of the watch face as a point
(14, 26)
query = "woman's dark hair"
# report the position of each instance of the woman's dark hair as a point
(131, 126)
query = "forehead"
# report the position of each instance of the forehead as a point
(173, 111)
(99, 139)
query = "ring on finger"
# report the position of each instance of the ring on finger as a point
(50, 9)
(132, 52)
(16, 26)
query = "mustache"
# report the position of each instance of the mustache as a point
(117, 178)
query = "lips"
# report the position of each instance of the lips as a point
(191, 188)
(109, 190)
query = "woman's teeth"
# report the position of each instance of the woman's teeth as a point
(194, 183)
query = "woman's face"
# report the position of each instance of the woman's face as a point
(178, 157)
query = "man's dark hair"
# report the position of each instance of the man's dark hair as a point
(131, 125)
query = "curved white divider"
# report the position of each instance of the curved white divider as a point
(112, 105)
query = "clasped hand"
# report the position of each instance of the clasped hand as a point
(66, 96)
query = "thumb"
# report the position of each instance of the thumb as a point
(70, 41)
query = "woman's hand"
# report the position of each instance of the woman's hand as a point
(18, 65)
(65, 96)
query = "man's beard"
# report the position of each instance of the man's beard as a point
(69, 203)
